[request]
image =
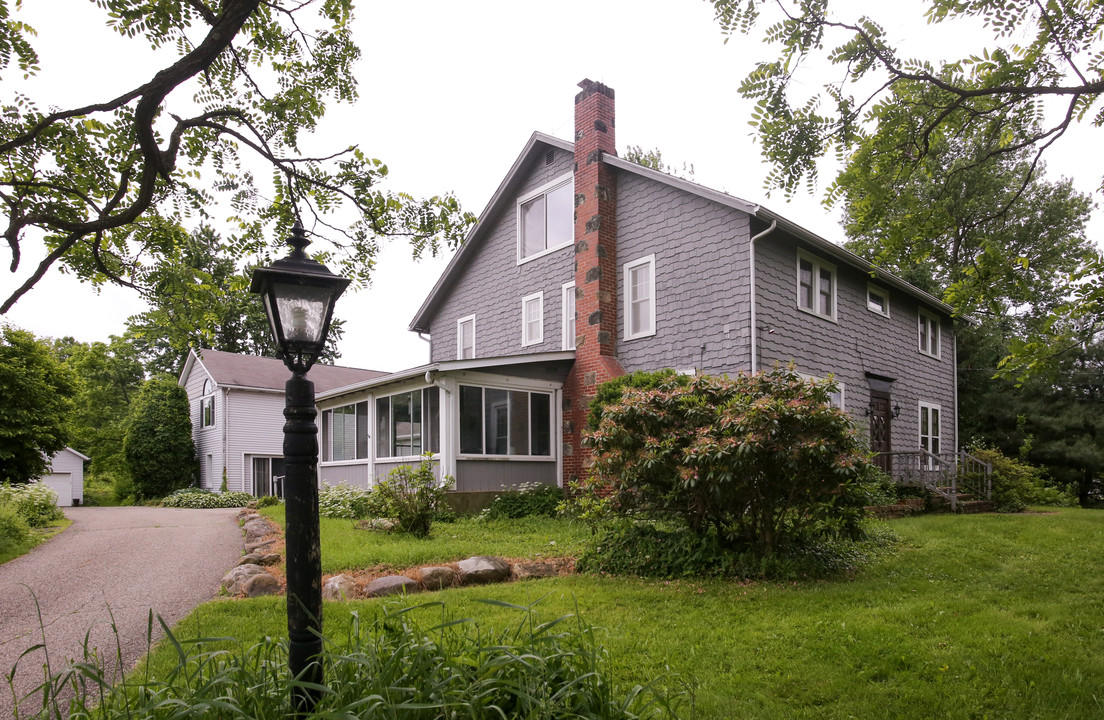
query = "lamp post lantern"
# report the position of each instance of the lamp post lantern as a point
(299, 296)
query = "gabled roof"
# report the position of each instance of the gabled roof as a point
(251, 372)
(539, 142)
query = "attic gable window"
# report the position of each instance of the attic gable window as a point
(546, 218)
(207, 405)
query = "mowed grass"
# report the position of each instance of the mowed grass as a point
(344, 547)
(988, 616)
(37, 537)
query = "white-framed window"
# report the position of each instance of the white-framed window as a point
(408, 423)
(816, 286)
(546, 218)
(835, 397)
(268, 476)
(877, 300)
(465, 338)
(929, 333)
(207, 405)
(532, 319)
(495, 421)
(930, 417)
(345, 433)
(567, 293)
(640, 298)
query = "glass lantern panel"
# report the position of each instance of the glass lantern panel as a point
(302, 311)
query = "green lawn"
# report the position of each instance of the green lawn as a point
(987, 616)
(38, 536)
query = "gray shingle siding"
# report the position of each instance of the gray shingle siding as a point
(859, 342)
(701, 278)
(493, 283)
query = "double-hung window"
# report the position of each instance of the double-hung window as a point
(345, 433)
(532, 319)
(929, 427)
(929, 333)
(505, 422)
(546, 218)
(207, 405)
(640, 298)
(816, 286)
(407, 423)
(465, 338)
(568, 324)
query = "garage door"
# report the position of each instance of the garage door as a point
(63, 484)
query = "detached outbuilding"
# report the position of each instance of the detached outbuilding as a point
(65, 475)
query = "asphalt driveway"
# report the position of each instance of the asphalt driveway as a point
(118, 562)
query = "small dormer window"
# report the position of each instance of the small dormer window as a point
(546, 219)
(207, 405)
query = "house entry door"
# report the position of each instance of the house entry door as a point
(880, 416)
(268, 476)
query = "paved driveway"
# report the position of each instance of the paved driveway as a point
(127, 559)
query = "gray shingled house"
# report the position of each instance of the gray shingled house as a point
(237, 412)
(584, 266)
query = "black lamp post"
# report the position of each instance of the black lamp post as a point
(299, 297)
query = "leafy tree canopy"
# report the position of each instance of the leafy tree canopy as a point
(159, 449)
(36, 407)
(100, 182)
(200, 299)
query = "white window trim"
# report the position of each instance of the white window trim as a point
(567, 341)
(938, 326)
(527, 341)
(460, 336)
(920, 407)
(818, 264)
(552, 457)
(627, 268)
(874, 289)
(373, 419)
(542, 190)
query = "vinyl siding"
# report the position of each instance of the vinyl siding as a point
(208, 441)
(357, 473)
(256, 429)
(859, 342)
(473, 475)
(701, 256)
(493, 284)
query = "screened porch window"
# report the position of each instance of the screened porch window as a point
(505, 422)
(345, 433)
(407, 423)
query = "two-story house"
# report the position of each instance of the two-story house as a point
(237, 406)
(584, 266)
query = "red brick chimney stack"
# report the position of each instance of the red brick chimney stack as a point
(596, 299)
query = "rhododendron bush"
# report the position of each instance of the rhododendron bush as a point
(760, 459)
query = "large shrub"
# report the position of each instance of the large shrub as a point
(1017, 484)
(414, 496)
(611, 391)
(35, 502)
(159, 449)
(14, 531)
(349, 502)
(759, 459)
(200, 499)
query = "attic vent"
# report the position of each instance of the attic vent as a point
(549, 157)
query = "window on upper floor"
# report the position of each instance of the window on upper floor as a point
(207, 405)
(877, 300)
(345, 433)
(929, 333)
(546, 218)
(408, 423)
(568, 296)
(465, 338)
(532, 319)
(816, 286)
(494, 421)
(640, 298)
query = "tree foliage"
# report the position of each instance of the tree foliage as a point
(200, 299)
(759, 459)
(159, 450)
(101, 182)
(35, 411)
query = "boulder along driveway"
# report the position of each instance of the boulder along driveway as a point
(112, 562)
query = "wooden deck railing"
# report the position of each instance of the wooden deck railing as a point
(945, 474)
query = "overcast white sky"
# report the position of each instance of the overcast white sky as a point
(450, 92)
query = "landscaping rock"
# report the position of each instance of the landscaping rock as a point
(263, 584)
(250, 547)
(390, 585)
(532, 570)
(257, 528)
(339, 587)
(483, 569)
(260, 558)
(234, 580)
(438, 578)
(381, 524)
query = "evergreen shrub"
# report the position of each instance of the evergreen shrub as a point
(200, 499)
(160, 454)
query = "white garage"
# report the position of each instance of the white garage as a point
(65, 475)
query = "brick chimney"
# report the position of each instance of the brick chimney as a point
(596, 299)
